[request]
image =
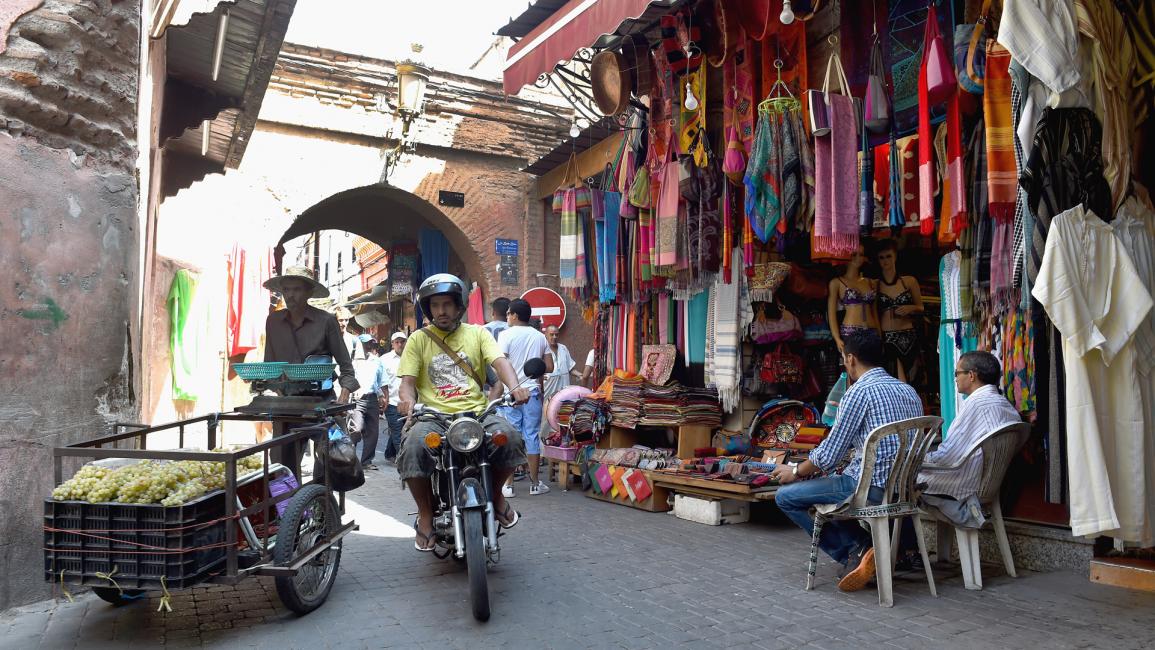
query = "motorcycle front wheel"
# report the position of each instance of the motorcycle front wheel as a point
(475, 558)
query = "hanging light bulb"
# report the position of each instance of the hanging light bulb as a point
(574, 131)
(691, 101)
(787, 15)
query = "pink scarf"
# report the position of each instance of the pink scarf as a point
(836, 177)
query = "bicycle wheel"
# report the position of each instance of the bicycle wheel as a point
(312, 515)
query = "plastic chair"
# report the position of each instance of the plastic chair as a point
(899, 500)
(998, 448)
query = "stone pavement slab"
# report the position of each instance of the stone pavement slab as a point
(579, 573)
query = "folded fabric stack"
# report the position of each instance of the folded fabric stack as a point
(626, 406)
(565, 413)
(661, 405)
(700, 406)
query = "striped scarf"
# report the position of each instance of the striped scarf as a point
(729, 316)
(572, 253)
(1002, 174)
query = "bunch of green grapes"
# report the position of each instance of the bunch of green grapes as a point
(166, 483)
(80, 485)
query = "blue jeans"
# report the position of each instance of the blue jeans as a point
(395, 423)
(839, 538)
(527, 419)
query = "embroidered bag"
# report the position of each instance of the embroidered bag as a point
(781, 366)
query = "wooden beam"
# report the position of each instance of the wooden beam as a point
(589, 162)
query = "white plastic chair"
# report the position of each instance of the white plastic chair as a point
(899, 500)
(999, 448)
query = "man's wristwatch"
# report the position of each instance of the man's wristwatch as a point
(795, 471)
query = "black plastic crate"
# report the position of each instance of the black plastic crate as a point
(143, 543)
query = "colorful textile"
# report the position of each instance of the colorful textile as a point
(1002, 176)
(608, 248)
(692, 132)
(836, 174)
(763, 179)
(572, 265)
(1018, 360)
(475, 314)
(786, 43)
(185, 334)
(696, 309)
(907, 28)
(730, 317)
(666, 216)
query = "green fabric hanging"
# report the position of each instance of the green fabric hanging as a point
(184, 343)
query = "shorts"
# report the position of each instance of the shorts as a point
(527, 420)
(415, 460)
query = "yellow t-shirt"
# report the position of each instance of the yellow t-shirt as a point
(441, 383)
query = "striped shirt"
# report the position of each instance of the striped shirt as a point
(874, 400)
(984, 411)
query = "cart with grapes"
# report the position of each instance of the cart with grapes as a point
(137, 520)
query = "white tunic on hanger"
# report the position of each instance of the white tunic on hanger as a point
(1132, 225)
(1090, 290)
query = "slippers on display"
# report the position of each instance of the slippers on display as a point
(509, 515)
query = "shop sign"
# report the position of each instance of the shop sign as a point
(506, 246)
(547, 305)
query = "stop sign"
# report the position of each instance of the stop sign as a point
(547, 305)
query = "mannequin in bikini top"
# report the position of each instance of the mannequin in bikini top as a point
(899, 307)
(854, 295)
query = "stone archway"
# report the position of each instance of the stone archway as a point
(384, 214)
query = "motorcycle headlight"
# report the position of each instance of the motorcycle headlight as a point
(465, 435)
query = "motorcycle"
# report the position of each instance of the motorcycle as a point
(464, 521)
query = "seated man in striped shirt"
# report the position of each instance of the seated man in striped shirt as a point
(875, 399)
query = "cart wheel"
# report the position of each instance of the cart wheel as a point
(475, 556)
(311, 515)
(116, 596)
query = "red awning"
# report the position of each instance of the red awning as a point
(576, 25)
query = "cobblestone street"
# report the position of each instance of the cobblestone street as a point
(578, 573)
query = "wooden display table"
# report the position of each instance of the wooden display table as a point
(713, 489)
(690, 437)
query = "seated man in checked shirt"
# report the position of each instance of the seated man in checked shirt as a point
(873, 400)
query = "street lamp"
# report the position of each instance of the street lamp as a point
(412, 78)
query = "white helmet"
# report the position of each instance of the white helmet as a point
(440, 284)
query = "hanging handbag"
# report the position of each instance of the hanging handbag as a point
(781, 366)
(805, 284)
(876, 104)
(940, 77)
(819, 111)
(731, 442)
(970, 47)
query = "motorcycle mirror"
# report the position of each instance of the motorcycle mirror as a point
(534, 368)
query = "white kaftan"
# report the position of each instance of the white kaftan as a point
(1132, 225)
(1090, 290)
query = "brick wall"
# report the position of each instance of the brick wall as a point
(68, 266)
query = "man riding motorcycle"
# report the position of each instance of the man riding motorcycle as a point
(452, 384)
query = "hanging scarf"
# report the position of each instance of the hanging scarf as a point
(836, 173)
(730, 316)
(979, 206)
(572, 253)
(762, 182)
(865, 186)
(805, 172)
(608, 248)
(666, 213)
(1002, 174)
(791, 171)
(727, 232)
(926, 170)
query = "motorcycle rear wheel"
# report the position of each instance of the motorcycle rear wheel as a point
(476, 560)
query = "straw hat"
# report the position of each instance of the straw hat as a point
(612, 81)
(300, 273)
(755, 16)
(636, 49)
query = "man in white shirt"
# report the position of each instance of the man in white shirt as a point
(984, 411)
(563, 364)
(500, 314)
(352, 341)
(520, 343)
(393, 420)
(370, 399)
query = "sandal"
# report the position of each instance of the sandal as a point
(510, 515)
(428, 539)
